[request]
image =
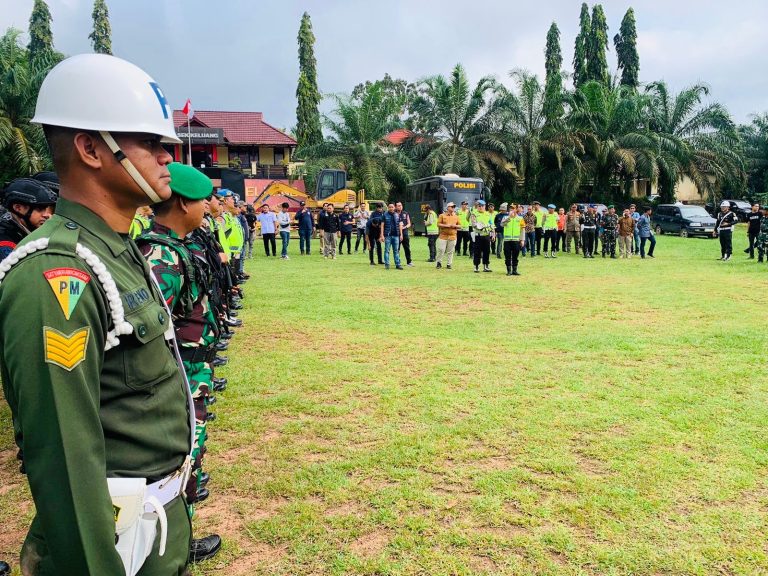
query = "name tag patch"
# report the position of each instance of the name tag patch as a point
(68, 285)
(65, 350)
(136, 298)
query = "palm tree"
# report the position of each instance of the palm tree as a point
(609, 121)
(695, 140)
(544, 153)
(22, 146)
(755, 137)
(356, 141)
(462, 128)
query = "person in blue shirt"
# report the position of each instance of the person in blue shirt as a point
(306, 227)
(646, 232)
(636, 235)
(392, 235)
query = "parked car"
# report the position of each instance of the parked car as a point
(741, 208)
(683, 219)
(601, 208)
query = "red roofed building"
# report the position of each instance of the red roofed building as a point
(238, 140)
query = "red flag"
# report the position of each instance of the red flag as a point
(187, 110)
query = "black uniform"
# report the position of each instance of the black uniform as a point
(588, 234)
(726, 221)
(11, 233)
(753, 231)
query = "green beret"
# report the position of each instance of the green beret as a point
(189, 182)
(611, 206)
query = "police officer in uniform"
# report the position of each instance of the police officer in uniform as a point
(588, 232)
(29, 203)
(93, 383)
(726, 222)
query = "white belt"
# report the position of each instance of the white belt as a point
(168, 489)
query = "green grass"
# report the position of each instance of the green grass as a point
(588, 417)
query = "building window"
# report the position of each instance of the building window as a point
(279, 155)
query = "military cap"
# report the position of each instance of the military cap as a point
(611, 206)
(224, 193)
(189, 182)
(551, 206)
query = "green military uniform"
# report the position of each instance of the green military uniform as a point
(182, 273)
(610, 231)
(94, 390)
(762, 237)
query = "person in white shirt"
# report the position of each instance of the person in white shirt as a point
(361, 220)
(284, 224)
(267, 219)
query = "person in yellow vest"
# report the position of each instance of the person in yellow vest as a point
(514, 238)
(223, 224)
(236, 237)
(463, 237)
(430, 223)
(482, 223)
(142, 221)
(550, 231)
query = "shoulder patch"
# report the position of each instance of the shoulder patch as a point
(68, 284)
(66, 351)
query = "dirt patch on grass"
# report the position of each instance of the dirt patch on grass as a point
(371, 544)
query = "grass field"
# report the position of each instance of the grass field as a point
(588, 417)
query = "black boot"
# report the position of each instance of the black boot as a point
(509, 270)
(204, 548)
(515, 272)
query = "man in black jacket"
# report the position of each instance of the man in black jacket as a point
(29, 203)
(753, 229)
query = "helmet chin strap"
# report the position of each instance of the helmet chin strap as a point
(130, 168)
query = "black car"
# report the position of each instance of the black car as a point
(741, 208)
(683, 219)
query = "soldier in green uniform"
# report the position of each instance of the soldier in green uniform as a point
(179, 265)
(762, 237)
(93, 385)
(610, 231)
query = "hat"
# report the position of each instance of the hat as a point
(451, 204)
(464, 202)
(536, 202)
(189, 182)
(504, 206)
(551, 206)
(302, 203)
(593, 206)
(611, 206)
(725, 203)
(480, 202)
(224, 193)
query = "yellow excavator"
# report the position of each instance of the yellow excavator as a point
(332, 186)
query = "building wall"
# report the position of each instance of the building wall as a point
(266, 155)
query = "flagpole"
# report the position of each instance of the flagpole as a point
(189, 142)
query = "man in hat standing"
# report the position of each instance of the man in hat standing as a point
(499, 228)
(726, 222)
(482, 223)
(588, 231)
(550, 231)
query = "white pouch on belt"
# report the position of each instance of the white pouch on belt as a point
(136, 527)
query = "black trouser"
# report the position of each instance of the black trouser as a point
(550, 240)
(752, 240)
(269, 239)
(588, 241)
(406, 246)
(348, 237)
(360, 236)
(539, 235)
(499, 243)
(493, 244)
(482, 250)
(726, 242)
(463, 239)
(511, 253)
(373, 240)
(560, 241)
(432, 243)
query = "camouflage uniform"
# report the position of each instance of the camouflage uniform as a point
(762, 240)
(610, 230)
(182, 274)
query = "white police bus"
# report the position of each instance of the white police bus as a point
(437, 191)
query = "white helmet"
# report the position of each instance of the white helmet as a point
(724, 204)
(104, 94)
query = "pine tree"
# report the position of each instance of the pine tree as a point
(580, 49)
(626, 50)
(102, 31)
(308, 131)
(40, 35)
(597, 45)
(553, 88)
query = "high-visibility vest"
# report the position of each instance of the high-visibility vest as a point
(139, 225)
(513, 227)
(431, 224)
(539, 218)
(236, 235)
(485, 223)
(464, 219)
(221, 234)
(550, 221)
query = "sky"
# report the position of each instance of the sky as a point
(242, 55)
